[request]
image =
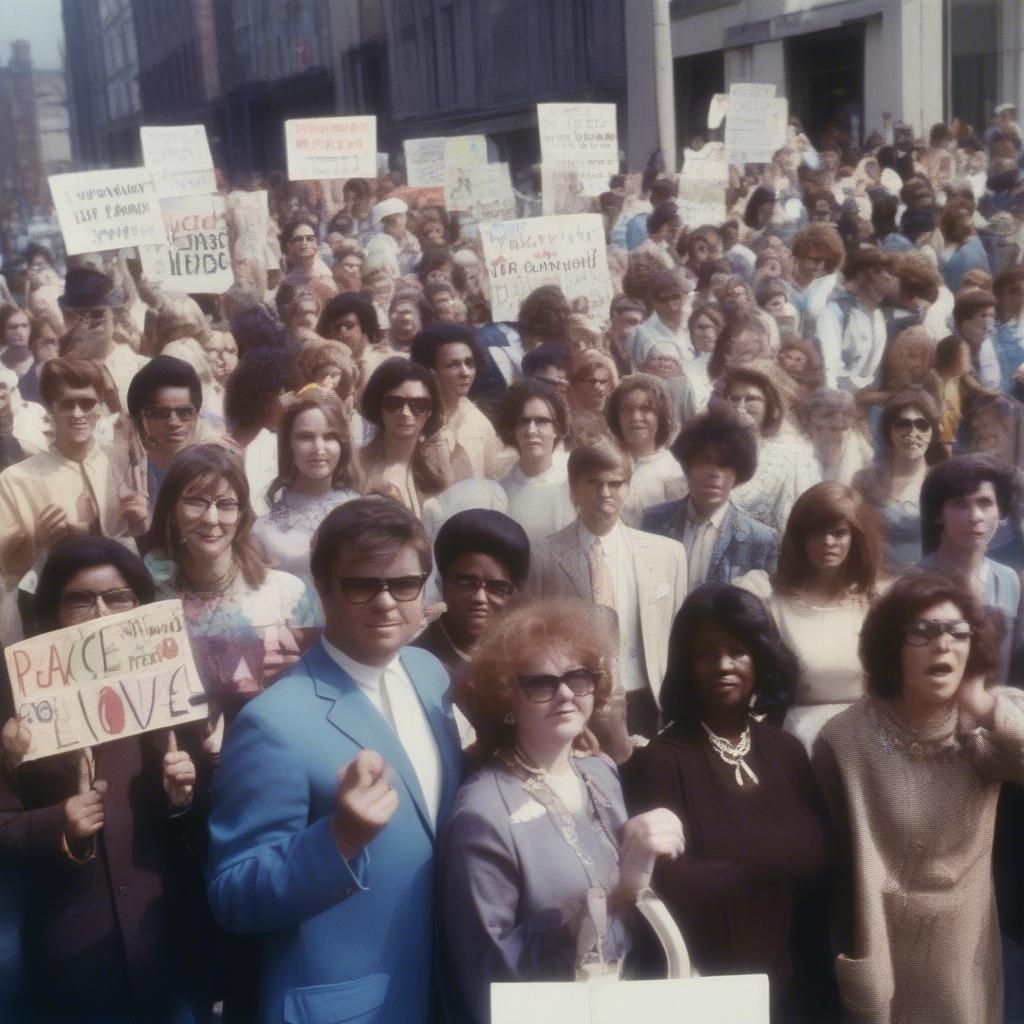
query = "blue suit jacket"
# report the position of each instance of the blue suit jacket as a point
(344, 941)
(742, 544)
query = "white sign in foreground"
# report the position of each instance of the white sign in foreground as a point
(106, 679)
(331, 147)
(737, 999)
(179, 159)
(198, 257)
(521, 255)
(100, 210)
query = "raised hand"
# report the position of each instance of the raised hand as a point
(84, 813)
(16, 740)
(364, 802)
(645, 838)
(179, 774)
(978, 702)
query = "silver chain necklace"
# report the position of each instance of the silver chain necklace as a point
(733, 754)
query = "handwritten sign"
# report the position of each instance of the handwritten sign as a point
(100, 210)
(106, 679)
(708, 163)
(331, 147)
(461, 152)
(701, 201)
(489, 195)
(737, 998)
(179, 159)
(424, 162)
(521, 255)
(752, 127)
(583, 136)
(198, 256)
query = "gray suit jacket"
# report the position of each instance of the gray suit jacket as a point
(559, 569)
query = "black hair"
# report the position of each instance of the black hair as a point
(484, 531)
(514, 401)
(393, 373)
(260, 376)
(743, 615)
(162, 372)
(551, 353)
(70, 557)
(722, 432)
(349, 302)
(957, 477)
(253, 328)
(289, 229)
(429, 342)
(761, 195)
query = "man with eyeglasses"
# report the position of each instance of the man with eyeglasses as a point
(71, 491)
(332, 787)
(164, 401)
(89, 318)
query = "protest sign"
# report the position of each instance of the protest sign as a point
(738, 999)
(179, 159)
(461, 152)
(701, 201)
(708, 162)
(752, 130)
(331, 147)
(489, 195)
(100, 210)
(197, 257)
(424, 162)
(562, 189)
(521, 255)
(583, 136)
(106, 679)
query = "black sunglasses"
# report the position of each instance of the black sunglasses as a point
(185, 413)
(363, 589)
(905, 424)
(396, 403)
(471, 584)
(541, 689)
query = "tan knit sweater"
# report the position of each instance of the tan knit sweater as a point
(916, 926)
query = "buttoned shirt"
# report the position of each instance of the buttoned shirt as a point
(699, 536)
(618, 559)
(390, 690)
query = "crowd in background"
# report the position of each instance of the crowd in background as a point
(715, 591)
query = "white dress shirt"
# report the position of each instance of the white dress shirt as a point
(699, 536)
(390, 691)
(618, 559)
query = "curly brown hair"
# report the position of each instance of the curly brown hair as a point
(487, 687)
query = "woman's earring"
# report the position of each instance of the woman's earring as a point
(509, 718)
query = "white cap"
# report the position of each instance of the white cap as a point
(389, 208)
(1004, 107)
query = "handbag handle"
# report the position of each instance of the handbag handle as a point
(671, 938)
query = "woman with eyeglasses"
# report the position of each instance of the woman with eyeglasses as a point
(300, 246)
(592, 379)
(747, 893)
(315, 474)
(911, 774)
(247, 623)
(71, 491)
(105, 842)
(910, 440)
(483, 558)
(407, 459)
(539, 864)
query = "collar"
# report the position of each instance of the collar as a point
(611, 542)
(367, 677)
(715, 519)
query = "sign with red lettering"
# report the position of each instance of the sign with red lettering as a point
(106, 679)
(331, 147)
(198, 257)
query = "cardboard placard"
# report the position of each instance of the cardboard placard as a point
(106, 679)
(583, 135)
(197, 258)
(708, 162)
(331, 147)
(753, 129)
(738, 999)
(424, 162)
(701, 201)
(487, 194)
(521, 255)
(461, 152)
(179, 159)
(101, 210)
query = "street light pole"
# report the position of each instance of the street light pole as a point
(664, 83)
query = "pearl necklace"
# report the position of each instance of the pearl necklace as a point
(733, 754)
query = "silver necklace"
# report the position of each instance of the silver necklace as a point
(733, 754)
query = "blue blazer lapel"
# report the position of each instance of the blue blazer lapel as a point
(352, 713)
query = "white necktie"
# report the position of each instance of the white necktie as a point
(409, 721)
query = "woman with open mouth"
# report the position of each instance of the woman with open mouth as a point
(912, 773)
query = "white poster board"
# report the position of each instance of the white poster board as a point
(179, 159)
(101, 210)
(197, 258)
(424, 162)
(708, 163)
(521, 255)
(106, 679)
(488, 194)
(460, 153)
(735, 999)
(331, 147)
(701, 201)
(752, 124)
(583, 136)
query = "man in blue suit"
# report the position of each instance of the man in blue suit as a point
(722, 542)
(332, 786)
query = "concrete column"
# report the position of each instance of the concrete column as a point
(664, 82)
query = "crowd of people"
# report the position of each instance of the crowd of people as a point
(715, 592)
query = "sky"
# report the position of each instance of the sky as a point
(39, 22)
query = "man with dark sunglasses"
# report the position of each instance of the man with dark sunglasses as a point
(333, 784)
(70, 491)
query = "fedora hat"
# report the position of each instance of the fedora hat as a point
(85, 288)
